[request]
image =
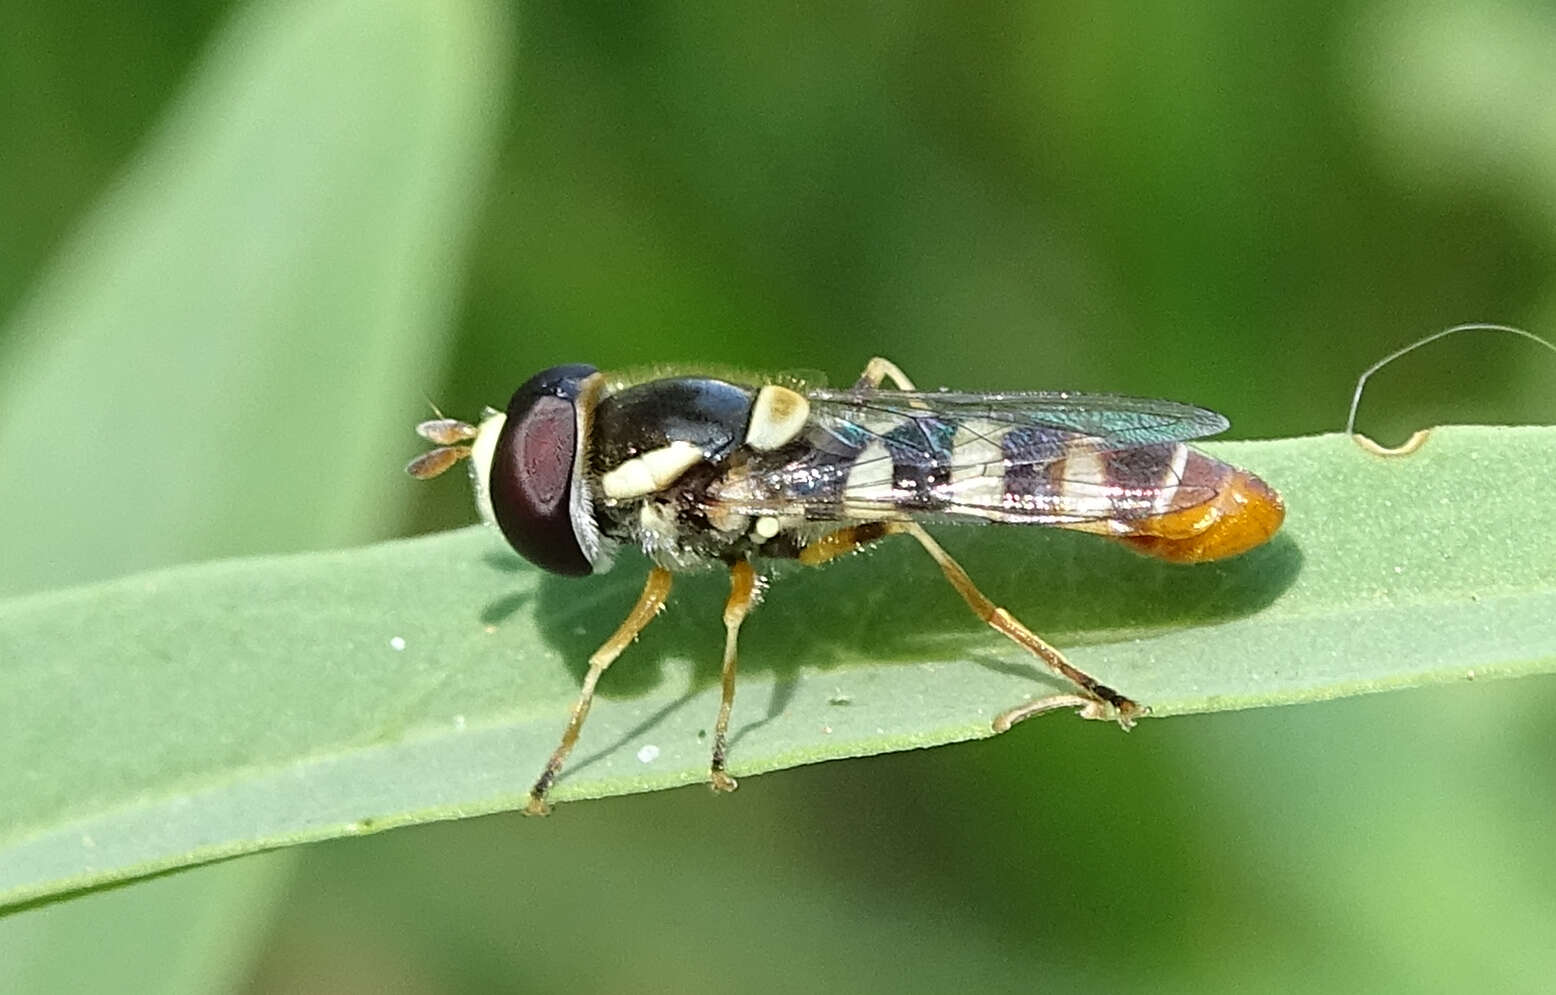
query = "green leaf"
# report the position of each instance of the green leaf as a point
(253, 703)
(213, 364)
(195, 932)
(251, 314)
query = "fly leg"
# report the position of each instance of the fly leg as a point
(879, 369)
(655, 590)
(1089, 708)
(1098, 702)
(846, 540)
(742, 595)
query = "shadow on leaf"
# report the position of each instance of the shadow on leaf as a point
(890, 604)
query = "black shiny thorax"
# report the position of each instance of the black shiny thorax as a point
(672, 524)
(710, 414)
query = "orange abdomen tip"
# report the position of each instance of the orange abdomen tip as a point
(1245, 513)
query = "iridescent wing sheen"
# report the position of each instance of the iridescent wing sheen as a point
(1099, 421)
(1065, 459)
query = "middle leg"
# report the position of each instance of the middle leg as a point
(742, 595)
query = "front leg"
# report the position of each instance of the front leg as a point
(655, 590)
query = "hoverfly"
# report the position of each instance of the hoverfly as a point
(701, 471)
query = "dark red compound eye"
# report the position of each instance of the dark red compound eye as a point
(532, 477)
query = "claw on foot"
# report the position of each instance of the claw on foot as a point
(537, 806)
(1123, 711)
(720, 781)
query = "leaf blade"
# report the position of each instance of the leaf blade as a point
(258, 300)
(284, 710)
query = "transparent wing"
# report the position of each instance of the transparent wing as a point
(1041, 458)
(1099, 421)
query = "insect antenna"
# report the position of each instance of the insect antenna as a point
(446, 431)
(435, 461)
(450, 434)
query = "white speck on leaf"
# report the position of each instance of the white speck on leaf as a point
(648, 754)
(459, 723)
(397, 643)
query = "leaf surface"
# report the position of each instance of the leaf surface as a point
(247, 704)
(211, 366)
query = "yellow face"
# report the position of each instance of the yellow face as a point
(481, 452)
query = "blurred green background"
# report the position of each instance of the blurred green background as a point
(244, 243)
